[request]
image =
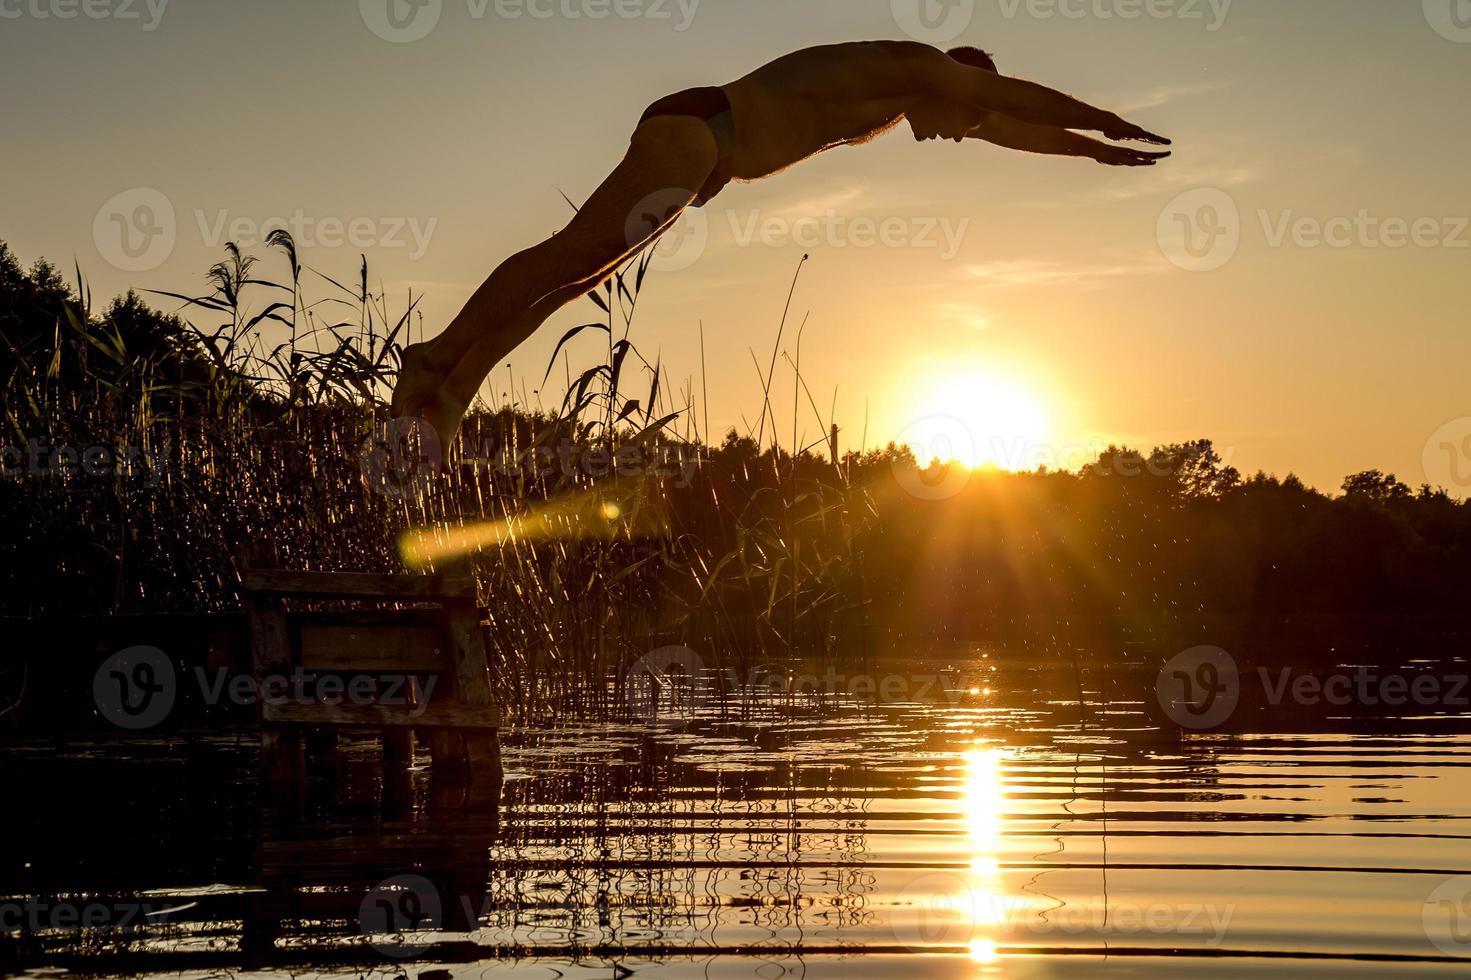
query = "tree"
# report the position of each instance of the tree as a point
(1375, 487)
(1196, 470)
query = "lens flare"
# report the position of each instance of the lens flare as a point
(582, 516)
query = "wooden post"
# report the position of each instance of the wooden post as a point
(447, 751)
(398, 756)
(320, 743)
(472, 683)
(282, 756)
(398, 748)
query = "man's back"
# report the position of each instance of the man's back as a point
(809, 100)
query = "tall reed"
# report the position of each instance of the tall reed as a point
(253, 420)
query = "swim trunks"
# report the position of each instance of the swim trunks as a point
(711, 105)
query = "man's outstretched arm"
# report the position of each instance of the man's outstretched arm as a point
(1003, 130)
(1029, 102)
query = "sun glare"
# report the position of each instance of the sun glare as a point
(979, 420)
(985, 801)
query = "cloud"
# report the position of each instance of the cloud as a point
(792, 208)
(1227, 166)
(1163, 181)
(1031, 273)
(966, 314)
(1157, 97)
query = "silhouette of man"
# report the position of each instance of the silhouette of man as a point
(690, 145)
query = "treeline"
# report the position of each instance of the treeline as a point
(1173, 544)
(143, 449)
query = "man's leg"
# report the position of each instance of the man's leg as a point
(668, 159)
(459, 388)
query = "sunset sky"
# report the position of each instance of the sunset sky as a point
(1040, 283)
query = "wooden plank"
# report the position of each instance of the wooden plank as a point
(356, 585)
(374, 649)
(381, 715)
(364, 614)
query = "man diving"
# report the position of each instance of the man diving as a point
(690, 145)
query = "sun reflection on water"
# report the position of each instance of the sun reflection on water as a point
(984, 799)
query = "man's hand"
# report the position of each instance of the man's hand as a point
(1125, 156)
(1122, 129)
(1008, 132)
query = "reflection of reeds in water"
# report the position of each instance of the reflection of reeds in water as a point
(780, 839)
(752, 837)
(646, 852)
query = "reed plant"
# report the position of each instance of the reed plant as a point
(257, 412)
(251, 412)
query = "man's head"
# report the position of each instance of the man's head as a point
(974, 57)
(950, 119)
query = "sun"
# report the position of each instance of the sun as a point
(978, 420)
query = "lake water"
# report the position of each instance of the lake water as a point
(981, 825)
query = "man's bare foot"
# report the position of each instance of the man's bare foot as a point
(420, 378)
(444, 412)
